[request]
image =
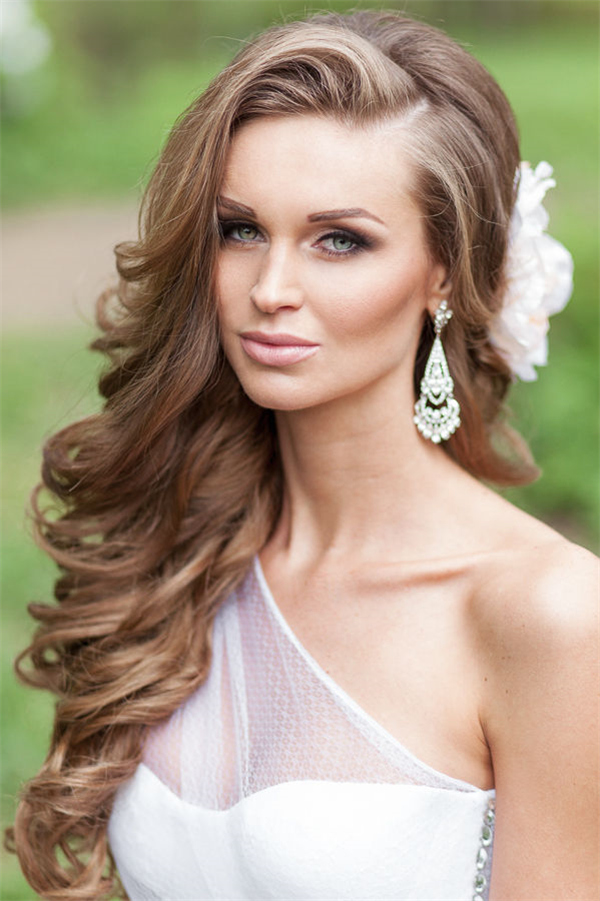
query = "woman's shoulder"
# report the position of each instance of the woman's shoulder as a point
(538, 636)
(536, 591)
(535, 608)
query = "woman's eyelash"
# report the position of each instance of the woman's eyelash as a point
(226, 226)
(359, 241)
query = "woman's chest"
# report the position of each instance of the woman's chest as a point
(272, 781)
(406, 653)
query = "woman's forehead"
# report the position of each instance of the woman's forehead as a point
(318, 161)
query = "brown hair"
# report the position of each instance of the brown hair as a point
(160, 501)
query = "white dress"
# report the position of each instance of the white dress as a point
(270, 782)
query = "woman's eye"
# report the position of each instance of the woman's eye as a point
(243, 232)
(334, 244)
(342, 244)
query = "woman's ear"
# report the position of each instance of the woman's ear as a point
(440, 288)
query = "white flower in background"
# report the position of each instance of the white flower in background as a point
(539, 273)
(25, 41)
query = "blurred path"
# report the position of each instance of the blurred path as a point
(55, 262)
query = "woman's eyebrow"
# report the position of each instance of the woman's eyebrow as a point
(324, 216)
(235, 206)
(353, 213)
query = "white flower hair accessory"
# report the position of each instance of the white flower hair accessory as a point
(539, 273)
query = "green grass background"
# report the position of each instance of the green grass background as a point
(96, 133)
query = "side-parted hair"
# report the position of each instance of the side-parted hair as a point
(159, 502)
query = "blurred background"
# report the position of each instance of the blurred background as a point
(90, 89)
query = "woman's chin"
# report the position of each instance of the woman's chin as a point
(284, 400)
(278, 403)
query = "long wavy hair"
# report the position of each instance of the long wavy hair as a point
(154, 507)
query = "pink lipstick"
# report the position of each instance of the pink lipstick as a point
(277, 349)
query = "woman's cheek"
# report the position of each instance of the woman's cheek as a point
(369, 307)
(230, 293)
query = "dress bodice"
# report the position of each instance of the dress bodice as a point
(270, 782)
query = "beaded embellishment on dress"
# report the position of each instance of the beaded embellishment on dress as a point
(484, 854)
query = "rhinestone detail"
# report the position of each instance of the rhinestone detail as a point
(487, 833)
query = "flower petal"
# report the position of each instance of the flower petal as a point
(539, 277)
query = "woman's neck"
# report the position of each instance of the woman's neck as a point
(359, 480)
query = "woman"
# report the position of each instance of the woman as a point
(325, 241)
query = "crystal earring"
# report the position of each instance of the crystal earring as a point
(437, 412)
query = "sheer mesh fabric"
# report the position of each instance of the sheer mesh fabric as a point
(268, 714)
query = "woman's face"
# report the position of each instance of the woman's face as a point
(322, 274)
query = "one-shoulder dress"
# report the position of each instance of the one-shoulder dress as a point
(271, 782)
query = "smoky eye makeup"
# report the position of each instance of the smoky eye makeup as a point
(344, 236)
(227, 228)
(336, 242)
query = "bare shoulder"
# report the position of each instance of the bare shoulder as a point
(539, 595)
(528, 578)
(535, 606)
(536, 613)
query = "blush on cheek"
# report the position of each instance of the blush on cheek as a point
(371, 312)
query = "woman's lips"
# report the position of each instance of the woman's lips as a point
(277, 350)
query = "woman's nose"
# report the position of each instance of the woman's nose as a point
(278, 285)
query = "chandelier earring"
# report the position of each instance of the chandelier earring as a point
(437, 412)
